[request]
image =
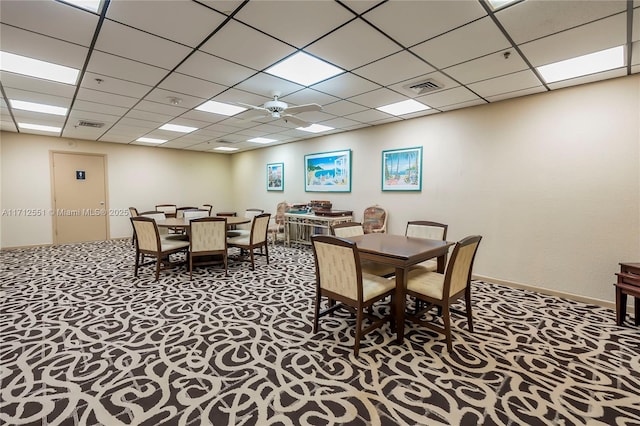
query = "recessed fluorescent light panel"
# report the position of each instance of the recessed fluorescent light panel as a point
(36, 68)
(35, 107)
(151, 140)
(220, 108)
(225, 148)
(583, 65)
(497, 4)
(315, 128)
(177, 128)
(304, 69)
(40, 127)
(404, 107)
(91, 5)
(261, 140)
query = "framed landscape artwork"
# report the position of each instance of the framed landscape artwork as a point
(275, 177)
(328, 171)
(402, 169)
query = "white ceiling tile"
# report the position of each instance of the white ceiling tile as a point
(217, 70)
(529, 20)
(114, 85)
(7, 126)
(44, 17)
(505, 84)
(636, 25)
(411, 22)
(106, 98)
(361, 6)
(250, 47)
(130, 43)
(184, 22)
(161, 108)
(463, 105)
(340, 123)
(489, 66)
(395, 68)
(149, 117)
(635, 53)
(76, 132)
(31, 84)
(38, 118)
(476, 39)
(589, 38)
(377, 98)
(38, 97)
(180, 83)
(77, 115)
(138, 124)
(443, 98)
(82, 105)
(342, 108)
(265, 84)
(352, 46)
(516, 94)
(32, 45)
(437, 77)
(308, 96)
(345, 85)
(295, 22)
(368, 116)
(162, 96)
(125, 69)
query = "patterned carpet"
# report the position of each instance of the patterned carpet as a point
(85, 343)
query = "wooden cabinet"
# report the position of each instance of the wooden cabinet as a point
(628, 283)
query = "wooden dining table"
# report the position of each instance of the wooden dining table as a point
(402, 253)
(182, 223)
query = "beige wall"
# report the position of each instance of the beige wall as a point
(137, 176)
(551, 182)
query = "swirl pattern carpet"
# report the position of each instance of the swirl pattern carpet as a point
(83, 342)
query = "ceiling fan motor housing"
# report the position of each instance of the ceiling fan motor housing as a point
(275, 107)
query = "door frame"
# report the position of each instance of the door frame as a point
(54, 225)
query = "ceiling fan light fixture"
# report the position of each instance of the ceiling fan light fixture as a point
(304, 69)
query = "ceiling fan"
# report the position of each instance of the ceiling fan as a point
(280, 110)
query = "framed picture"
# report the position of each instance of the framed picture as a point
(328, 171)
(275, 177)
(402, 169)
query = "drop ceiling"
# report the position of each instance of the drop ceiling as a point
(147, 63)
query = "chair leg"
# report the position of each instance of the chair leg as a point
(266, 252)
(469, 314)
(356, 344)
(316, 313)
(446, 318)
(191, 267)
(251, 253)
(226, 265)
(158, 261)
(135, 269)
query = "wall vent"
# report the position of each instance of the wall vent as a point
(424, 86)
(85, 123)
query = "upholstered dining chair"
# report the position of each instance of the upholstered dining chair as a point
(180, 210)
(208, 207)
(429, 230)
(149, 243)
(374, 219)
(133, 212)
(353, 229)
(169, 210)
(441, 290)
(157, 215)
(339, 277)
(208, 240)
(195, 214)
(257, 238)
(244, 230)
(276, 228)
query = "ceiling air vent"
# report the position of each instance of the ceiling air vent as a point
(424, 86)
(94, 124)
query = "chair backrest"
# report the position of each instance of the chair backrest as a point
(374, 219)
(249, 214)
(337, 266)
(133, 212)
(207, 207)
(259, 228)
(195, 214)
(156, 215)
(167, 208)
(147, 233)
(281, 209)
(180, 210)
(458, 274)
(426, 229)
(208, 234)
(347, 229)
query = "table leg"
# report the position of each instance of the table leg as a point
(621, 306)
(442, 263)
(636, 307)
(400, 301)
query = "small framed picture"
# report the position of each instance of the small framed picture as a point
(275, 177)
(402, 169)
(328, 171)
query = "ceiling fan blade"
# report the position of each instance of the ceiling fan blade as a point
(259, 108)
(295, 120)
(304, 108)
(252, 117)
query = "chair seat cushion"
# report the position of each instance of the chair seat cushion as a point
(172, 244)
(239, 239)
(430, 284)
(427, 266)
(238, 233)
(377, 268)
(373, 285)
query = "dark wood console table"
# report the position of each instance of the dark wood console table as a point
(628, 284)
